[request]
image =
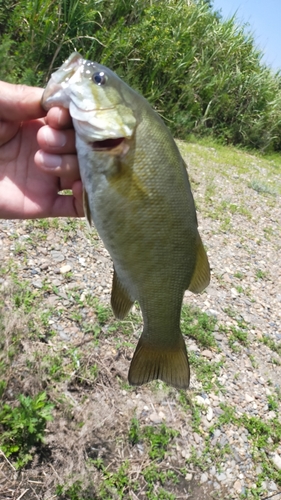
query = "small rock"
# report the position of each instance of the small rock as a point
(155, 418)
(219, 336)
(223, 441)
(200, 401)
(207, 354)
(188, 476)
(64, 336)
(197, 438)
(276, 459)
(57, 256)
(210, 414)
(221, 476)
(203, 478)
(65, 269)
(271, 414)
(238, 486)
(193, 347)
(249, 398)
(272, 486)
(37, 284)
(82, 261)
(140, 449)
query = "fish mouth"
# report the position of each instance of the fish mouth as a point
(107, 144)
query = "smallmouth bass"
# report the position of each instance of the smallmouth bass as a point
(137, 193)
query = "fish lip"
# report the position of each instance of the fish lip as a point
(107, 144)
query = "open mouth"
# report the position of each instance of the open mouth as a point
(107, 144)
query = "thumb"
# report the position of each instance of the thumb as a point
(20, 102)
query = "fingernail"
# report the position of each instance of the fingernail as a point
(54, 138)
(49, 161)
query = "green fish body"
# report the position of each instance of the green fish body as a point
(138, 195)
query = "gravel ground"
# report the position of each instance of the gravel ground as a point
(239, 216)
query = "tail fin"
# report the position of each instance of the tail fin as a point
(151, 362)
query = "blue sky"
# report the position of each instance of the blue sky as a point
(264, 19)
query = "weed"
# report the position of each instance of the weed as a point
(272, 403)
(206, 372)
(261, 274)
(103, 313)
(24, 297)
(269, 342)
(74, 492)
(152, 475)
(134, 432)
(158, 440)
(196, 419)
(237, 335)
(23, 426)
(114, 484)
(184, 400)
(239, 275)
(198, 325)
(253, 361)
(262, 188)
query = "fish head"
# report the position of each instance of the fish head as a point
(96, 97)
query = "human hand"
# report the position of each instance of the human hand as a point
(30, 179)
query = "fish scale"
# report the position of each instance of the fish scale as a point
(137, 193)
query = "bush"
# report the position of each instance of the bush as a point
(202, 74)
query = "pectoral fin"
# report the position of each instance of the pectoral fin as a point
(201, 275)
(121, 303)
(86, 207)
(152, 362)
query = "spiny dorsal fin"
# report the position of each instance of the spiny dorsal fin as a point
(201, 275)
(86, 207)
(153, 362)
(121, 303)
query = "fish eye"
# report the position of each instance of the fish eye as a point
(99, 78)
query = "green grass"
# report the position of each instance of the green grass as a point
(206, 372)
(262, 188)
(269, 342)
(199, 326)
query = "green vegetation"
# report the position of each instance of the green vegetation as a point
(264, 435)
(198, 325)
(153, 479)
(22, 427)
(203, 74)
(269, 342)
(206, 371)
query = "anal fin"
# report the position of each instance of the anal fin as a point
(86, 207)
(121, 303)
(201, 275)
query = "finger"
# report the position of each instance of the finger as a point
(59, 118)
(56, 141)
(20, 102)
(64, 166)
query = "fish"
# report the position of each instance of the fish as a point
(138, 196)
